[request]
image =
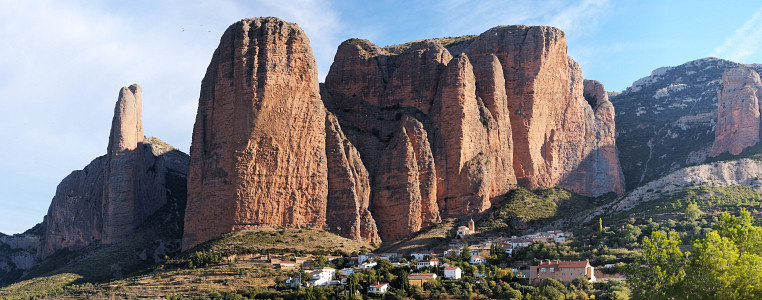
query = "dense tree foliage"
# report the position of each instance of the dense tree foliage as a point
(726, 264)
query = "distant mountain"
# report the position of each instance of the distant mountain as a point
(667, 120)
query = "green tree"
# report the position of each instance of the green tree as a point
(401, 281)
(600, 225)
(692, 212)
(660, 271)
(465, 253)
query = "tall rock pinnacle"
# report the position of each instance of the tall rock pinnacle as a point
(126, 136)
(116, 192)
(258, 154)
(738, 111)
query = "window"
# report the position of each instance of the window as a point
(551, 270)
(543, 270)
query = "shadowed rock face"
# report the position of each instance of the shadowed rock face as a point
(115, 193)
(415, 132)
(738, 112)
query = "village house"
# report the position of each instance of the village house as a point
(294, 282)
(368, 265)
(365, 257)
(287, 265)
(451, 272)
(346, 271)
(321, 276)
(421, 255)
(378, 288)
(418, 279)
(564, 271)
(427, 263)
(477, 260)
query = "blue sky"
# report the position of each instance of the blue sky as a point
(64, 63)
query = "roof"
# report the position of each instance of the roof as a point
(477, 256)
(419, 275)
(287, 262)
(429, 260)
(452, 268)
(565, 264)
(379, 284)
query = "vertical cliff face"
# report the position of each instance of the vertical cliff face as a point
(115, 193)
(415, 132)
(258, 151)
(347, 211)
(738, 113)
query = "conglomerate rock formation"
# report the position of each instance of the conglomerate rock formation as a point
(396, 138)
(738, 111)
(117, 192)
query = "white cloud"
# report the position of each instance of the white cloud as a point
(744, 42)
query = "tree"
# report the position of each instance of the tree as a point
(692, 212)
(600, 225)
(401, 281)
(660, 271)
(465, 253)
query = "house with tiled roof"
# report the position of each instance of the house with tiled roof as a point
(427, 263)
(418, 279)
(452, 272)
(378, 288)
(477, 260)
(564, 271)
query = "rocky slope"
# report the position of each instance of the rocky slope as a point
(667, 120)
(413, 132)
(738, 111)
(115, 193)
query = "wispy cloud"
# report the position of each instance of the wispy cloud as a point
(745, 41)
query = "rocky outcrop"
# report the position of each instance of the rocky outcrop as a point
(738, 113)
(117, 192)
(348, 212)
(258, 154)
(415, 132)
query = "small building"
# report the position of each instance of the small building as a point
(418, 279)
(477, 260)
(427, 263)
(471, 225)
(368, 265)
(365, 257)
(463, 231)
(346, 271)
(294, 282)
(564, 271)
(344, 280)
(451, 272)
(321, 276)
(378, 288)
(421, 255)
(388, 256)
(287, 265)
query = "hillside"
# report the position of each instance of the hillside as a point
(666, 121)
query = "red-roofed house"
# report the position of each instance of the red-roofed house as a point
(477, 260)
(378, 288)
(426, 263)
(564, 271)
(452, 272)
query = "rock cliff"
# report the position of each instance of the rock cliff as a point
(258, 155)
(396, 138)
(117, 192)
(667, 120)
(737, 111)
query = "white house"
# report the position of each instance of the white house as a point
(421, 255)
(294, 282)
(321, 276)
(378, 288)
(477, 260)
(452, 272)
(368, 265)
(426, 263)
(365, 257)
(346, 271)
(463, 231)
